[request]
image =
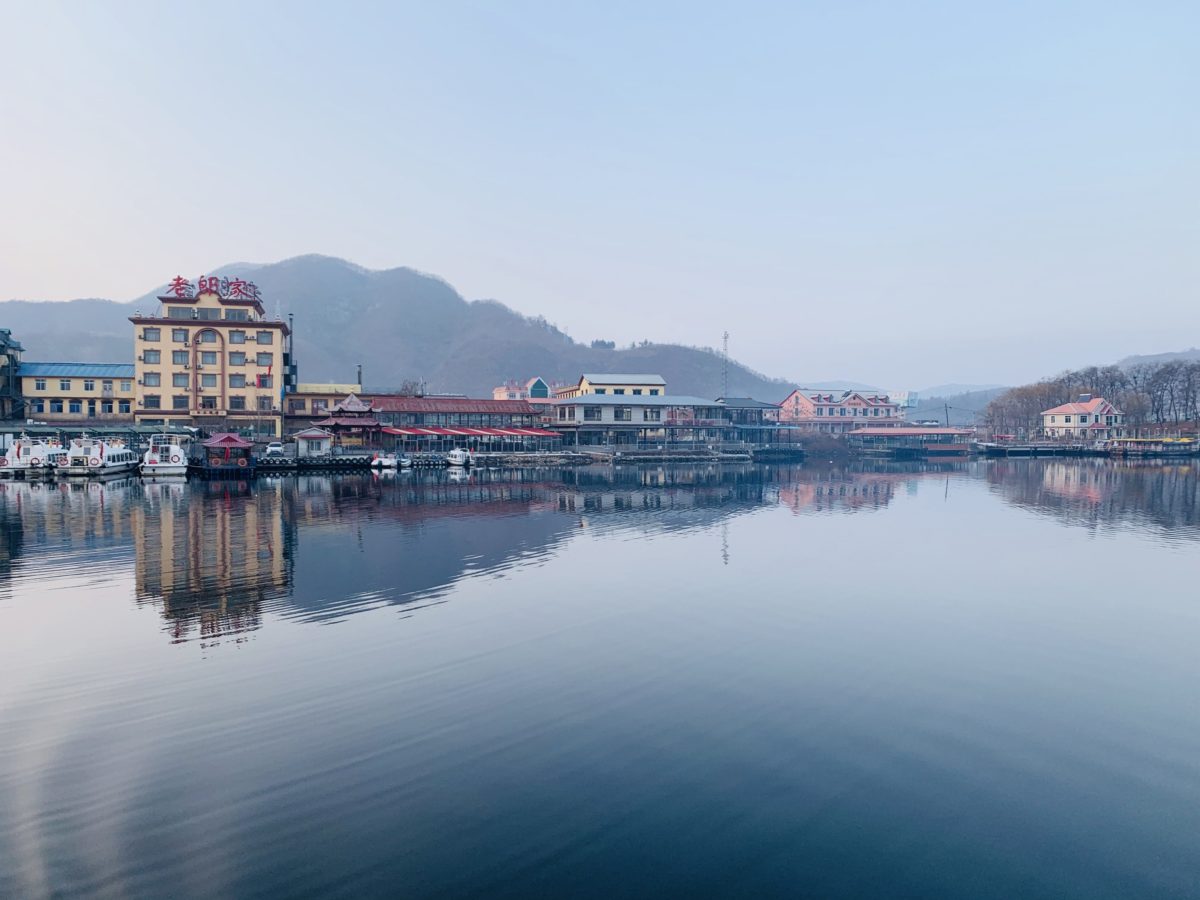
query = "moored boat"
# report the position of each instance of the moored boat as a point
(89, 457)
(30, 458)
(457, 457)
(166, 455)
(1153, 448)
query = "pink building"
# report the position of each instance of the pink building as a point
(838, 412)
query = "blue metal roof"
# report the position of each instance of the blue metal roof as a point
(75, 370)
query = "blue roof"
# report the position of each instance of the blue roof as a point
(75, 369)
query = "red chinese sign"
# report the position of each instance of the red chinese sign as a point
(225, 288)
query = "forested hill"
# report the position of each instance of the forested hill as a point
(401, 325)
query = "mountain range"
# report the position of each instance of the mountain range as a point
(400, 325)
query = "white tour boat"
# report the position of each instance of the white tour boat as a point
(93, 457)
(457, 457)
(165, 456)
(30, 457)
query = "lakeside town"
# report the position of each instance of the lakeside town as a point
(214, 387)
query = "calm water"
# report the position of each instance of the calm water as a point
(972, 681)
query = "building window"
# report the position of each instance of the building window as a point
(1083, 420)
(75, 407)
(179, 401)
(152, 357)
(237, 337)
(1067, 420)
(207, 337)
(208, 402)
(651, 415)
(637, 392)
(64, 384)
(180, 312)
(152, 401)
(622, 414)
(601, 391)
(106, 407)
(39, 384)
(264, 359)
(39, 406)
(208, 381)
(237, 381)
(265, 381)
(56, 406)
(207, 314)
(320, 406)
(106, 386)
(208, 357)
(179, 379)
(237, 315)
(296, 406)
(266, 337)
(152, 379)
(591, 414)
(124, 406)
(151, 334)
(618, 390)
(653, 392)
(820, 410)
(179, 357)
(264, 404)
(179, 335)
(126, 384)
(238, 402)
(237, 358)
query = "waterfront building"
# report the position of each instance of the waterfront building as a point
(756, 421)
(313, 441)
(591, 419)
(10, 385)
(534, 389)
(352, 422)
(910, 442)
(312, 400)
(839, 412)
(614, 385)
(451, 412)
(74, 393)
(210, 357)
(1089, 418)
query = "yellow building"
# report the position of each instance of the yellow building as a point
(628, 385)
(315, 400)
(211, 358)
(77, 392)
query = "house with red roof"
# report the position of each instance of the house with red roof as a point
(1088, 418)
(839, 412)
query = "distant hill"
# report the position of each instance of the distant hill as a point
(963, 408)
(1191, 355)
(399, 324)
(953, 390)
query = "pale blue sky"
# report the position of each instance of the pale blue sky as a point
(895, 193)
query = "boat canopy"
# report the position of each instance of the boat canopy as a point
(228, 440)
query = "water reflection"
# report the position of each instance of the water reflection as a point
(217, 558)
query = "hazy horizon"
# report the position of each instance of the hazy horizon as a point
(894, 196)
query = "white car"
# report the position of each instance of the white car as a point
(274, 449)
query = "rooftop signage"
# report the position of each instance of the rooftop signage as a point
(225, 288)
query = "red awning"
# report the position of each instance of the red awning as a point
(436, 431)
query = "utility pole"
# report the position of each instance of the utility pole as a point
(725, 365)
(947, 415)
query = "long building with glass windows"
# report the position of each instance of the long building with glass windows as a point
(76, 393)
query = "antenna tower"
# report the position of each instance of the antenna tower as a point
(725, 365)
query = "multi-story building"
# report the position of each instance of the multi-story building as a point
(78, 393)
(838, 412)
(614, 385)
(1090, 418)
(640, 420)
(211, 358)
(312, 401)
(10, 386)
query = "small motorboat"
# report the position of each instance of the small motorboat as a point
(95, 457)
(459, 458)
(385, 461)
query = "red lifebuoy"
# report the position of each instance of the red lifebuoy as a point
(175, 458)
(3, 460)
(94, 461)
(242, 461)
(35, 462)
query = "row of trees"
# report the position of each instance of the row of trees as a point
(1166, 393)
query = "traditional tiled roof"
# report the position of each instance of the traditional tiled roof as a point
(449, 405)
(227, 439)
(75, 369)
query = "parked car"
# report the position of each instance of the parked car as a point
(275, 448)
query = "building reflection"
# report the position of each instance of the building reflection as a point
(211, 555)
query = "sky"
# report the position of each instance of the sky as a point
(899, 194)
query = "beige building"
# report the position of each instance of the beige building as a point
(612, 384)
(211, 358)
(85, 393)
(1090, 418)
